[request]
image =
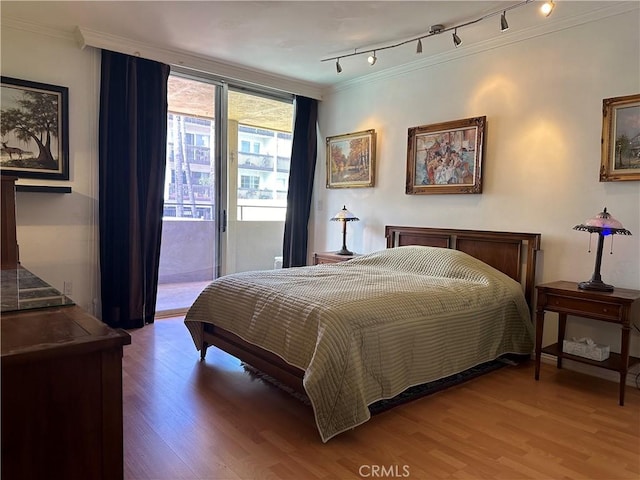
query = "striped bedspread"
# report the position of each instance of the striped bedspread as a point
(367, 329)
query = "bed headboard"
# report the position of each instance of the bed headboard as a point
(512, 253)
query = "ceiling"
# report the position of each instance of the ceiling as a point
(289, 39)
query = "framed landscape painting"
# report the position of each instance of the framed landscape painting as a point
(620, 159)
(351, 160)
(446, 157)
(34, 129)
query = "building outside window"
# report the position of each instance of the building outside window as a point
(264, 157)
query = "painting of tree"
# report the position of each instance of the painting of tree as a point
(33, 127)
(351, 160)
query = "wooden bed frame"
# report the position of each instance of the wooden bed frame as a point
(512, 253)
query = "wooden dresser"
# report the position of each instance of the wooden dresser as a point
(61, 382)
(61, 396)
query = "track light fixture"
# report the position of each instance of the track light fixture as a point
(504, 25)
(456, 39)
(546, 10)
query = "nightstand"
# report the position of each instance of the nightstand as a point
(331, 257)
(620, 306)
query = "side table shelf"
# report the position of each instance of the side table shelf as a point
(614, 362)
(565, 298)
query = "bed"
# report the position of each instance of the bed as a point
(436, 302)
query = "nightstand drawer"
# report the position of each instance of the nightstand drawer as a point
(580, 306)
(331, 257)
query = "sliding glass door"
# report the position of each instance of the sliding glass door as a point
(260, 135)
(228, 155)
(189, 254)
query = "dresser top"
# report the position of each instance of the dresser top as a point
(22, 290)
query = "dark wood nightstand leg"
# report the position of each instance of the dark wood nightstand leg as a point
(562, 326)
(539, 328)
(624, 354)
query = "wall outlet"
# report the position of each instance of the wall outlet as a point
(68, 288)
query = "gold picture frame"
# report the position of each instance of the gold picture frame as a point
(351, 160)
(446, 157)
(620, 159)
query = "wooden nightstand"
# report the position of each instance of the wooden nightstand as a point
(331, 257)
(563, 297)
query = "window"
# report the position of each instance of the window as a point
(264, 154)
(250, 182)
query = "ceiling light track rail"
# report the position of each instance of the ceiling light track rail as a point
(437, 30)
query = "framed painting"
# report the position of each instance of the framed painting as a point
(446, 157)
(351, 160)
(620, 158)
(34, 126)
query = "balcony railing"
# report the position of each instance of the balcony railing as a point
(255, 161)
(256, 194)
(195, 154)
(200, 192)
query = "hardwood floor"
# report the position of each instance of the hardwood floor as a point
(184, 419)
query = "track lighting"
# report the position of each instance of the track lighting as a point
(547, 8)
(456, 39)
(437, 29)
(504, 25)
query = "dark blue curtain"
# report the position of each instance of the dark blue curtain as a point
(301, 173)
(132, 158)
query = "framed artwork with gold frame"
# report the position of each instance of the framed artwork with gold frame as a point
(446, 157)
(620, 158)
(351, 160)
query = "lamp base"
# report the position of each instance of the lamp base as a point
(344, 251)
(595, 285)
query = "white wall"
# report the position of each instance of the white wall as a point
(542, 98)
(543, 101)
(57, 233)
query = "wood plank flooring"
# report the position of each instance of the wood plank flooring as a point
(184, 419)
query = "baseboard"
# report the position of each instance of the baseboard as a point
(592, 370)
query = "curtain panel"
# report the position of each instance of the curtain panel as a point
(301, 174)
(132, 158)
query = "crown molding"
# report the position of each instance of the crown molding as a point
(547, 26)
(35, 28)
(92, 38)
(85, 37)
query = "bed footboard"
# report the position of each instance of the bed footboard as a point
(257, 357)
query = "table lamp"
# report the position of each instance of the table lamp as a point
(603, 224)
(344, 216)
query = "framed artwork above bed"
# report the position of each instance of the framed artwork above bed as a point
(446, 157)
